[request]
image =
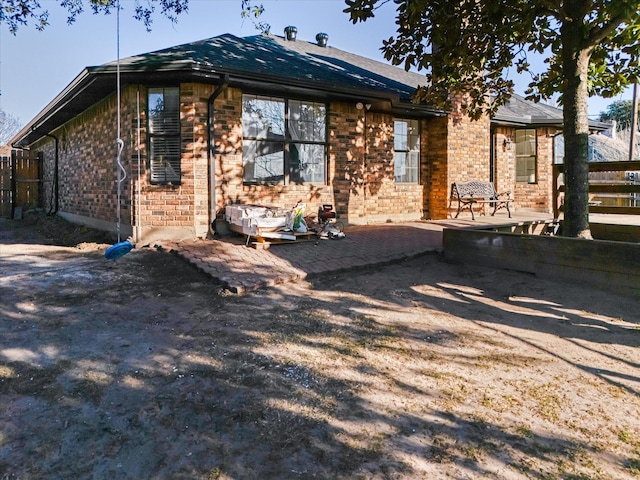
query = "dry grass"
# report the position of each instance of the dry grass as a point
(420, 370)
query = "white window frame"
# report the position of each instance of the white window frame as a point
(526, 155)
(406, 151)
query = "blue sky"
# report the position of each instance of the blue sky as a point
(36, 66)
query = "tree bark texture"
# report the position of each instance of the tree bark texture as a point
(575, 60)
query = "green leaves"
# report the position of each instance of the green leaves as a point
(16, 13)
(254, 12)
(20, 12)
(472, 45)
(620, 111)
(361, 10)
(469, 47)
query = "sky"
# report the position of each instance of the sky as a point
(36, 66)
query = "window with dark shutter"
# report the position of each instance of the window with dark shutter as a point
(164, 135)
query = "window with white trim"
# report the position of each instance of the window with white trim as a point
(406, 146)
(164, 135)
(526, 155)
(284, 140)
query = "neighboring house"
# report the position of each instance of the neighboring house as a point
(272, 121)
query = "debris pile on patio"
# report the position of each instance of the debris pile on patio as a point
(268, 223)
(277, 225)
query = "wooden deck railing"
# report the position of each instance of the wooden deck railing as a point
(595, 188)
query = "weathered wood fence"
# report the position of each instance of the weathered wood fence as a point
(627, 185)
(20, 182)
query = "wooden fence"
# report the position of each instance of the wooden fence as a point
(20, 182)
(630, 188)
(5, 186)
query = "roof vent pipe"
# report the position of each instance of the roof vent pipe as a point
(322, 39)
(290, 33)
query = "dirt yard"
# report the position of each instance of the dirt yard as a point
(143, 368)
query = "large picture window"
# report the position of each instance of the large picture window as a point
(526, 155)
(406, 146)
(284, 141)
(164, 135)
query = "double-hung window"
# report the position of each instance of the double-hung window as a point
(307, 148)
(406, 146)
(164, 135)
(526, 155)
(284, 141)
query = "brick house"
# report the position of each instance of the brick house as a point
(272, 120)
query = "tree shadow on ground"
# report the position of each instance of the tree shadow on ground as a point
(138, 369)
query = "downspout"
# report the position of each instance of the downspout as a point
(493, 139)
(211, 150)
(365, 178)
(139, 190)
(55, 187)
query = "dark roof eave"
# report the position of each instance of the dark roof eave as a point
(79, 84)
(51, 116)
(242, 77)
(334, 92)
(101, 78)
(308, 87)
(530, 121)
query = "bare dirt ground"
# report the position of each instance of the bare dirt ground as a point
(141, 369)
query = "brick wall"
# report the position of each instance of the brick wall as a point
(194, 207)
(179, 211)
(87, 172)
(229, 187)
(385, 200)
(458, 150)
(347, 156)
(468, 154)
(360, 183)
(47, 149)
(532, 196)
(435, 167)
(505, 160)
(537, 196)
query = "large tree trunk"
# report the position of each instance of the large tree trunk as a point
(576, 131)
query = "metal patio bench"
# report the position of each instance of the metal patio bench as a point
(476, 192)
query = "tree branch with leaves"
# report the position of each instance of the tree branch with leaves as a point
(472, 46)
(17, 13)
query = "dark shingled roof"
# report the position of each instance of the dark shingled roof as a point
(518, 106)
(262, 63)
(268, 64)
(276, 60)
(520, 112)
